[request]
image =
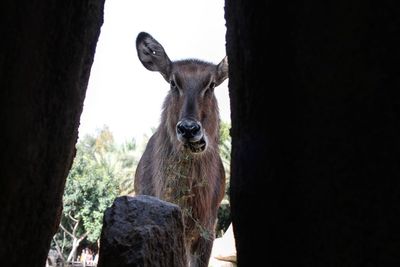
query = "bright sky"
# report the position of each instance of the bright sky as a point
(121, 92)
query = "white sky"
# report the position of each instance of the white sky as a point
(121, 92)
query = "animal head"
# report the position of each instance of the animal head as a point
(190, 109)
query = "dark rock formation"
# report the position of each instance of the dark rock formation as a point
(142, 231)
(47, 49)
(315, 106)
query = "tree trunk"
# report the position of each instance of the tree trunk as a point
(59, 249)
(72, 254)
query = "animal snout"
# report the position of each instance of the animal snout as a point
(189, 130)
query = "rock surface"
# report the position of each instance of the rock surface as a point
(224, 250)
(47, 49)
(224, 247)
(315, 108)
(142, 231)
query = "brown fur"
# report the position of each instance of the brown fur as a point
(171, 171)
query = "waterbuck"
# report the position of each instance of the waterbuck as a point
(181, 162)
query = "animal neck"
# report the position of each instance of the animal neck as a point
(181, 170)
(185, 179)
(178, 177)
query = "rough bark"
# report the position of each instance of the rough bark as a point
(47, 50)
(142, 231)
(315, 104)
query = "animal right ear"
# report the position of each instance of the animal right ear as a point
(222, 70)
(152, 54)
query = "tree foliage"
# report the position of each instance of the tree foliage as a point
(224, 214)
(94, 181)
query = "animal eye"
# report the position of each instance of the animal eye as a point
(209, 89)
(174, 87)
(212, 85)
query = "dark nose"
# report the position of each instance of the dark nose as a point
(188, 128)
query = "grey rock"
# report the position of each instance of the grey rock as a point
(142, 231)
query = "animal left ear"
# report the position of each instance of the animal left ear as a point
(152, 54)
(222, 71)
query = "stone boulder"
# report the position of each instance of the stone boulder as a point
(142, 231)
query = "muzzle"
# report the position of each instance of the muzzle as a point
(190, 133)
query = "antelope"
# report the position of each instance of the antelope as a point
(181, 162)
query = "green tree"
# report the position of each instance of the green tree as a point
(128, 155)
(91, 187)
(224, 218)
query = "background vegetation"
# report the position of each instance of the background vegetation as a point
(103, 170)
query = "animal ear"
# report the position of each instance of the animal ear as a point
(222, 71)
(152, 54)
